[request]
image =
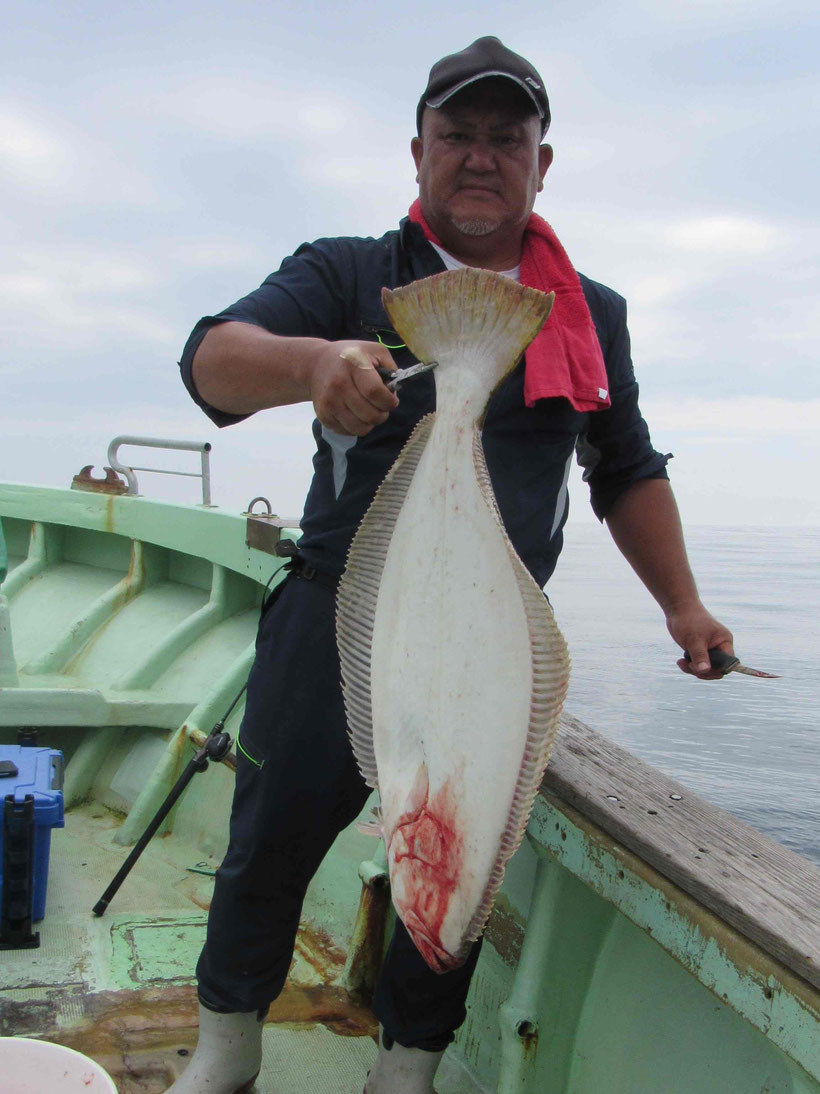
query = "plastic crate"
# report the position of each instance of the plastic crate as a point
(36, 774)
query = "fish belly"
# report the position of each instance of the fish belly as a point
(451, 686)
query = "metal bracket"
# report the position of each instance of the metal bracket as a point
(264, 530)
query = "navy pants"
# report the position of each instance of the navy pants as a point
(297, 787)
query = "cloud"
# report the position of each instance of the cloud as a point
(82, 270)
(212, 252)
(321, 117)
(708, 16)
(742, 417)
(732, 236)
(152, 171)
(239, 108)
(29, 152)
(77, 294)
(584, 154)
(719, 302)
(647, 292)
(90, 168)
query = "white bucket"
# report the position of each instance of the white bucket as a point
(39, 1067)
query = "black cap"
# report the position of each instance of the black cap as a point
(485, 57)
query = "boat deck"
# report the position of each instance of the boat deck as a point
(644, 940)
(120, 987)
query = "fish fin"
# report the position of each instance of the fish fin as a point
(456, 311)
(374, 827)
(358, 593)
(550, 669)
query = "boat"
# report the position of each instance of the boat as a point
(644, 941)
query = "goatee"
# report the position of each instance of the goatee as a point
(475, 226)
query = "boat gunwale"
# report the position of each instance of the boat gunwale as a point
(768, 893)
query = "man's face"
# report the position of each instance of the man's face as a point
(479, 162)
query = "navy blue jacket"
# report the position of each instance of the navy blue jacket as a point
(332, 289)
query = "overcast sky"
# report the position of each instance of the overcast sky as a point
(157, 161)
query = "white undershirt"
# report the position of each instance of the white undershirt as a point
(454, 264)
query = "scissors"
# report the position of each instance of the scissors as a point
(393, 377)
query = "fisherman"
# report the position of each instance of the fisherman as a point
(316, 331)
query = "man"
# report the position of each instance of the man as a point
(316, 331)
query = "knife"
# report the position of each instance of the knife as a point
(727, 662)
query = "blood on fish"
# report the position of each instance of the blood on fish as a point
(426, 852)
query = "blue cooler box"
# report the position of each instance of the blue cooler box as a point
(40, 774)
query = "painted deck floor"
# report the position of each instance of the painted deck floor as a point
(318, 1062)
(120, 987)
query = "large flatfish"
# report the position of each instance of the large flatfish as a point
(454, 670)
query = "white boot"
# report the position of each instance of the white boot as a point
(228, 1055)
(400, 1070)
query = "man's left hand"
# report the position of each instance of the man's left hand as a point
(695, 630)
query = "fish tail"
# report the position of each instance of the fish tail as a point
(459, 310)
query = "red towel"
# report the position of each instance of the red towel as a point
(565, 359)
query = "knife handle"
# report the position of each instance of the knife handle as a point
(718, 659)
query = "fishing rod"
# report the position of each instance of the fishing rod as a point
(214, 748)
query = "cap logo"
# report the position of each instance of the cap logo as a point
(533, 83)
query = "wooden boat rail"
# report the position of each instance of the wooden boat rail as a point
(766, 892)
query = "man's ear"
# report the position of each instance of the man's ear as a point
(544, 161)
(417, 150)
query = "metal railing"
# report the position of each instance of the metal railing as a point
(203, 447)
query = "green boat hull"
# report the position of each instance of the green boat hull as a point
(612, 964)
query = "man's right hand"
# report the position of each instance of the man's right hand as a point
(347, 392)
(240, 368)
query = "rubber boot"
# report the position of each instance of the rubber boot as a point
(228, 1055)
(400, 1070)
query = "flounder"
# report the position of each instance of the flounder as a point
(454, 670)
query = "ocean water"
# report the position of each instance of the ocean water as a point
(751, 746)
